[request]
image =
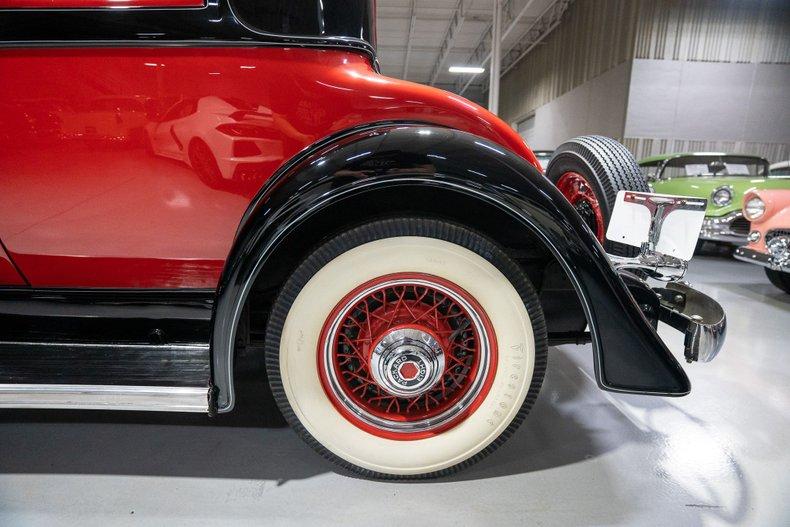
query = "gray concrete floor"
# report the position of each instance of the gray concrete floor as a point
(583, 457)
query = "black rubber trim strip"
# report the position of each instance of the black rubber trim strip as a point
(386, 229)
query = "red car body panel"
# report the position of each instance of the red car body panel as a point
(86, 210)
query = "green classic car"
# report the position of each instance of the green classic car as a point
(721, 178)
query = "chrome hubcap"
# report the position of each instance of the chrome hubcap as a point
(407, 362)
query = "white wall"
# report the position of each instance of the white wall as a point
(596, 107)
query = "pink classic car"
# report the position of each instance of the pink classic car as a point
(769, 240)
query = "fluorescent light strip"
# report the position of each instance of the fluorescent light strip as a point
(466, 69)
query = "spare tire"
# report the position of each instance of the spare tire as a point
(590, 171)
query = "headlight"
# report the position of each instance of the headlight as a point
(754, 208)
(722, 196)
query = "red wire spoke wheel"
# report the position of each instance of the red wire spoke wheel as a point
(407, 355)
(578, 191)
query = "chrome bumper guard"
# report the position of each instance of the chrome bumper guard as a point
(700, 318)
(764, 259)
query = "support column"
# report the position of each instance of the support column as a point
(496, 58)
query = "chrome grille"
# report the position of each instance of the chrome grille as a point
(770, 235)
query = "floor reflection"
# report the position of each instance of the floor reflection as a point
(583, 456)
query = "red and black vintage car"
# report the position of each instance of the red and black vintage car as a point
(183, 181)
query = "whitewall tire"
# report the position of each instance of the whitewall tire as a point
(406, 348)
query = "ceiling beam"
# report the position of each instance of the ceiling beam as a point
(456, 21)
(407, 56)
(544, 25)
(435, 17)
(482, 54)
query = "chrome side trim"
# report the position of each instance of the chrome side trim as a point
(105, 397)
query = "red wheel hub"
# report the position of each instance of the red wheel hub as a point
(580, 193)
(407, 355)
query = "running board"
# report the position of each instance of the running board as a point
(99, 364)
(104, 397)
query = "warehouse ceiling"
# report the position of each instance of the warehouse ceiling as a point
(418, 40)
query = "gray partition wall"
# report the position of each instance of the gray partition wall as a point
(682, 106)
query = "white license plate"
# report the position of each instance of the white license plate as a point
(675, 222)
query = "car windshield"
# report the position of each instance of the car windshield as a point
(714, 166)
(346, 18)
(780, 171)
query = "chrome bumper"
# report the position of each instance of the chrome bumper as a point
(764, 259)
(698, 316)
(720, 229)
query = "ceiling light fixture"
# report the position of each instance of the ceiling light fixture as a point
(466, 69)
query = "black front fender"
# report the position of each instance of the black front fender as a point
(628, 354)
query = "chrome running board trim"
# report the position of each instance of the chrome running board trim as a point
(168, 347)
(105, 397)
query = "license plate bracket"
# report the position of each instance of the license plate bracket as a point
(658, 223)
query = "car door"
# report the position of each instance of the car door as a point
(79, 210)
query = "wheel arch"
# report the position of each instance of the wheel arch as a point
(408, 168)
(415, 199)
